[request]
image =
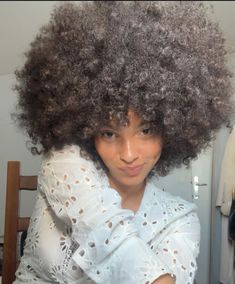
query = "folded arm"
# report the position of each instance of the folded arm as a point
(109, 249)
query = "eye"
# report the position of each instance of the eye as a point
(108, 135)
(147, 131)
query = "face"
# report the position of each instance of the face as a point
(129, 153)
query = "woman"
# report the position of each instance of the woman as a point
(116, 93)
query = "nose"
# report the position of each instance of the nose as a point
(129, 151)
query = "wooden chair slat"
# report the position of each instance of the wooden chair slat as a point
(13, 222)
(28, 182)
(23, 224)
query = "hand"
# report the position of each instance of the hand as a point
(164, 279)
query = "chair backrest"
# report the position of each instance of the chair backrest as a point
(13, 222)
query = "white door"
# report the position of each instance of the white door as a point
(194, 184)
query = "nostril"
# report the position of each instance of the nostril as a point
(128, 160)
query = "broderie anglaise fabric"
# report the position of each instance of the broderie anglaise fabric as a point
(80, 234)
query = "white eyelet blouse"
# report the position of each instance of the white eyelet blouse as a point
(79, 233)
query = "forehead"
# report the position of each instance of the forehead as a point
(134, 118)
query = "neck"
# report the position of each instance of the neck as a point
(127, 191)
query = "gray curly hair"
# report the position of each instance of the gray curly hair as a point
(94, 61)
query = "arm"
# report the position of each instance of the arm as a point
(108, 247)
(180, 248)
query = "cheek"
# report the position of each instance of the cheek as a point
(105, 153)
(153, 151)
(98, 147)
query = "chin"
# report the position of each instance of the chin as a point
(132, 180)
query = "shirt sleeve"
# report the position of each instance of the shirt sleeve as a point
(108, 247)
(180, 247)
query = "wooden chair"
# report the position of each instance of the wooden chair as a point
(13, 222)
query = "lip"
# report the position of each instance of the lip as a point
(133, 170)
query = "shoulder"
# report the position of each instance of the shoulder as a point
(69, 162)
(60, 163)
(68, 152)
(68, 156)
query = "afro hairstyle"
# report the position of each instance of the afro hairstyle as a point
(95, 60)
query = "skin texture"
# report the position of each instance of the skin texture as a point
(122, 149)
(164, 279)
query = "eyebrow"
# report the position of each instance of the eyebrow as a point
(144, 123)
(113, 127)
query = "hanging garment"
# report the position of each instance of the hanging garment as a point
(224, 200)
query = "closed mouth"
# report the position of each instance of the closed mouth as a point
(132, 170)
